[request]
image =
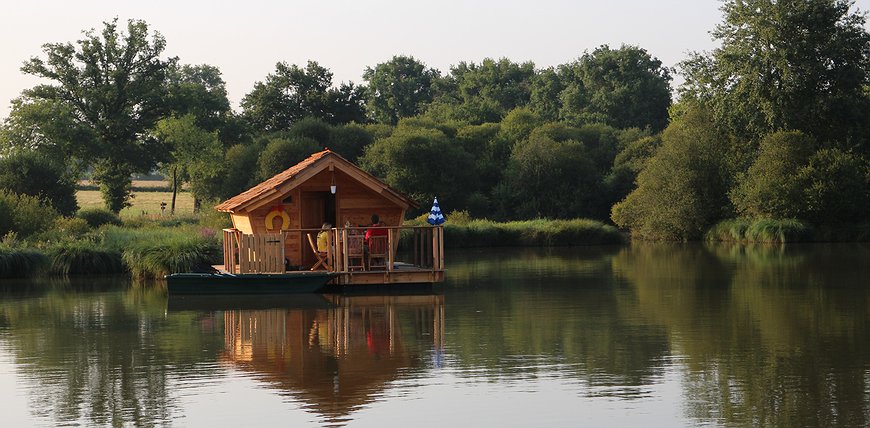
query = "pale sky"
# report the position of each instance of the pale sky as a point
(246, 38)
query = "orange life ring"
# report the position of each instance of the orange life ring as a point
(285, 219)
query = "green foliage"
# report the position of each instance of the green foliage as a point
(24, 215)
(682, 189)
(519, 124)
(771, 188)
(836, 187)
(19, 262)
(539, 232)
(195, 156)
(97, 217)
(312, 128)
(114, 181)
(762, 230)
(423, 161)
(549, 175)
(168, 254)
(200, 91)
(84, 258)
(112, 85)
(282, 153)
(625, 87)
(240, 163)
(398, 88)
(485, 92)
(350, 140)
(30, 173)
(799, 65)
(293, 93)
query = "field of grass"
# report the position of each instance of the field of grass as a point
(144, 203)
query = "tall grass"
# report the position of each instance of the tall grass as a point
(171, 253)
(84, 258)
(20, 262)
(463, 232)
(760, 231)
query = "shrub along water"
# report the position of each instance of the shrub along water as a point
(462, 232)
(171, 253)
(84, 258)
(19, 263)
(760, 230)
(97, 217)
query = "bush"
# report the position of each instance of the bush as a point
(84, 258)
(97, 217)
(682, 190)
(540, 232)
(760, 231)
(29, 173)
(19, 263)
(23, 214)
(168, 254)
(771, 188)
(281, 153)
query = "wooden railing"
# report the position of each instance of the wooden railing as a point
(346, 250)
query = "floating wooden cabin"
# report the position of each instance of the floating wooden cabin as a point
(275, 226)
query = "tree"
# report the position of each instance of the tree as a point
(293, 93)
(424, 161)
(485, 92)
(398, 88)
(683, 188)
(282, 153)
(112, 84)
(787, 65)
(195, 157)
(198, 90)
(624, 88)
(29, 173)
(548, 177)
(771, 188)
(836, 187)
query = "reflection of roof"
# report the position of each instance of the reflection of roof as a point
(278, 183)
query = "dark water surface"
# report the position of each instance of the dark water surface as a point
(647, 335)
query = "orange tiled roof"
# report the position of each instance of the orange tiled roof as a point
(271, 184)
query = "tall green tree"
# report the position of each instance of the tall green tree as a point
(113, 84)
(624, 88)
(293, 93)
(198, 90)
(682, 190)
(195, 157)
(485, 92)
(398, 88)
(787, 65)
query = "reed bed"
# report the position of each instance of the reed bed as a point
(760, 231)
(84, 258)
(20, 262)
(462, 232)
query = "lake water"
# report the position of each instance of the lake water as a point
(647, 335)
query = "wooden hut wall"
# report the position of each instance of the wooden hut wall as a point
(354, 202)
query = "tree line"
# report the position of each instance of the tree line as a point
(773, 123)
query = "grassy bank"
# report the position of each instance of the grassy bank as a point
(784, 231)
(143, 247)
(463, 232)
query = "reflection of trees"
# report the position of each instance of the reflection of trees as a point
(338, 359)
(771, 335)
(556, 309)
(99, 356)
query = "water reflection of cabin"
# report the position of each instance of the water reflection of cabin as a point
(338, 359)
(273, 221)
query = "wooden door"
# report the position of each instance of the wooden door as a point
(313, 210)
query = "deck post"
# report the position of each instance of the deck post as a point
(390, 249)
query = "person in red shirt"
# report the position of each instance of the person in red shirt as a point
(376, 222)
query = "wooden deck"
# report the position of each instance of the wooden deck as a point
(355, 262)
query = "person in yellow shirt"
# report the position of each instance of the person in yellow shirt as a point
(322, 243)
